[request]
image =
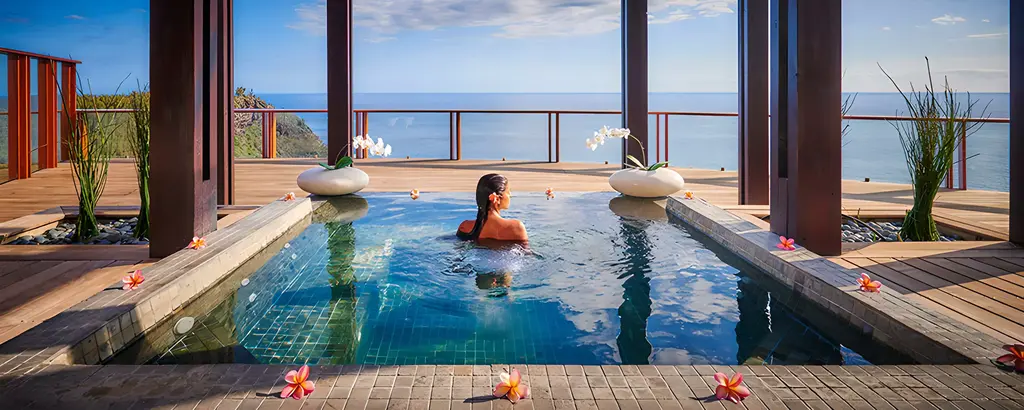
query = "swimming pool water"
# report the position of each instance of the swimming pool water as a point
(605, 280)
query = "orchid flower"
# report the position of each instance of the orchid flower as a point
(511, 387)
(868, 285)
(414, 194)
(550, 193)
(289, 196)
(133, 280)
(688, 195)
(605, 132)
(359, 142)
(1015, 357)
(299, 384)
(592, 144)
(730, 388)
(197, 243)
(618, 132)
(786, 244)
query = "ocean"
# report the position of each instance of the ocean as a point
(871, 149)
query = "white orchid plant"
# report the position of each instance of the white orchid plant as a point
(606, 133)
(378, 149)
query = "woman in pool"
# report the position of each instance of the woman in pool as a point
(493, 194)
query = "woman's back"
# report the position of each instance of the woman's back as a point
(497, 228)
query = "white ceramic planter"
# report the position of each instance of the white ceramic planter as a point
(333, 182)
(646, 184)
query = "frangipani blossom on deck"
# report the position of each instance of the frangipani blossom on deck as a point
(550, 193)
(197, 243)
(289, 196)
(511, 387)
(414, 194)
(132, 280)
(688, 195)
(1015, 358)
(786, 244)
(299, 385)
(730, 389)
(868, 285)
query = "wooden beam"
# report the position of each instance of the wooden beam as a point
(225, 104)
(183, 65)
(1016, 121)
(634, 77)
(19, 117)
(46, 84)
(807, 123)
(753, 102)
(339, 78)
(69, 105)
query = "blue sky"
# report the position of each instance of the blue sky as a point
(518, 45)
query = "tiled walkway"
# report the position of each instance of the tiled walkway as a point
(553, 387)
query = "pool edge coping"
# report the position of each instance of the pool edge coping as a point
(888, 317)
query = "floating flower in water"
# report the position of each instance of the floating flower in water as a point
(289, 196)
(299, 385)
(550, 193)
(511, 387)
(786, 244)
(1014, 358)
(688, 195)
(197, 243)
(868, 285)
(414, 194)
(730, 388)
(133, 280)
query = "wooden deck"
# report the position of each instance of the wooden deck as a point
(979, 283)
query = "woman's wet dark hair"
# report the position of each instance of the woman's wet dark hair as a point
(488, 184)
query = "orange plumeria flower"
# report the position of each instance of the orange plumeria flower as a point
(197, 243)
(289, 196)
(786, 244)
(730, 388)
(1015, 357)
(133, 280)
(868, 285)
(550, 193)
(688, 195)
(511, 387)
(414, 194)
(299, 385)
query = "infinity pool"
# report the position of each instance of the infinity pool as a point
(604, 280)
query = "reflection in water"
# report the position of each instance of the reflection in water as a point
(634, 348)
(342, 325)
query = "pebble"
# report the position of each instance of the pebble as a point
(855, 232)
(111, 232)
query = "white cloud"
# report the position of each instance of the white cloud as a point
(379, 39)
(948, 19)
(986, 21)
(74, 17)
(886, 28)
(988, 35)
(513, 18)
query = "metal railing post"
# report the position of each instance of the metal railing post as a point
(963, 156)
(558, 137)
(549, 137)
(458, 136)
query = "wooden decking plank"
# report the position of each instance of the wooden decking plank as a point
(990, 267)
(11, 266)
(944, 269)
(25, 271)
(1016, 261)
(74, 252)
(932, 299)
(38, 282)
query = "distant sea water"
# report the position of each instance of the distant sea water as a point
(872, 149)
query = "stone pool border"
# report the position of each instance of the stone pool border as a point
(105, 323)
(887, 317)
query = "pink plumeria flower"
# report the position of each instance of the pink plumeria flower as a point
(868, 285)
(299, 385)
(414, 194)
(550, 193)
(289, 196)
(786, 244)
(1014, 358)
(132, 280)
(197, 243)
(511, 387)
(730, 389)
(688, 195)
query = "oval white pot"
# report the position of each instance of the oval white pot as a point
(646, 184)
(333, 182)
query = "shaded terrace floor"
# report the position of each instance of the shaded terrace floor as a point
(979, 283)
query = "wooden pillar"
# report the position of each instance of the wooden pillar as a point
(46, 84)
(226, 104)
(339, 78)
(19, 117)
(634, 77)
(806, 152)
(184, 88)
(1017, 122)
(69, 106)
(753, 102)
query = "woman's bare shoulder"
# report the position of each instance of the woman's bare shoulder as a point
(516, 229)
(467, 225)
